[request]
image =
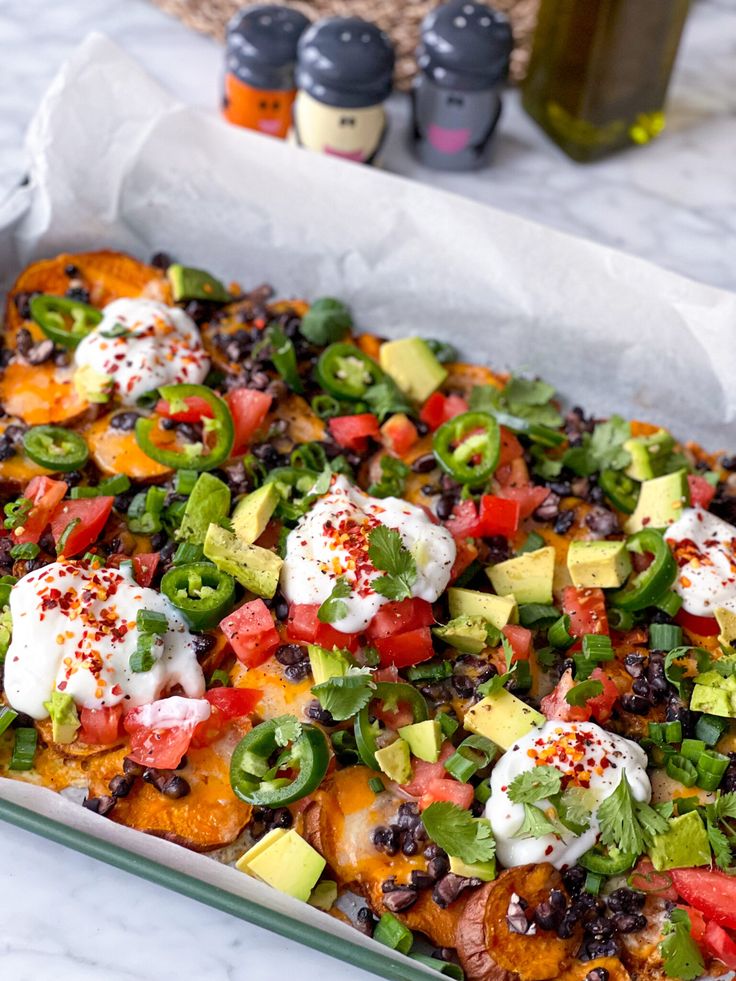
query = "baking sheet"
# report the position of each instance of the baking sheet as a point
(116, 163)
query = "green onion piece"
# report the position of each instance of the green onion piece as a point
(654, 732)
(532, 542)
(665, 732)
(710, 728)
(461, 767)
(326, 407)
(559, 633)
(66, 535)
(710, 761)
(142, 659)
(186, 553)
(219, 679)
(376, 785)
(93, 557)
(669, 602)
(665, 637)
(24, 749)
(24, 551)
(522, 677)
(184, 481)
(448, 725)
(483, 791)
(144, 511)
(620, 620)
(430, 671)
(593, 883)
(682, 770)
(709, 781)
(691, 749)
(151, 622)
(112, 486)
(537, 614)
(7, 716)
(283, 357)
(448, 968)
(686, 804)
(392, 933)
(546, 656)
(309, 456)
(597, 647)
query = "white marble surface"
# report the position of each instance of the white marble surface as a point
(69, 917)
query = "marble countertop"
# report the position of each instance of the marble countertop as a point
(674, 203)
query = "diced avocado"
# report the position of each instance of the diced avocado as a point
(6, 631)
(195, 284)
(253, 512)
(412, 366)
(209, 502)
(394, 760)
(64, 717)
(660, 503)
(287, 862)
(92, 385)
(727, 622)
(254, 567)
(469, 635)
(503, 718)
(424, 739)
(243, 863)
(527, 577)
(648, 454)
(714, 679)
(497, 610)
(713, 701)
(685, 844)
(324, 895)
(485, 871)
(326, 664)
(601, 564)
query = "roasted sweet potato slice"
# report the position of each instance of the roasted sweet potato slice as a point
(116, 451)
(17, 470)
(40, 394)
(302, 425)
(280, 696)
(463, 377)
(490, 951)
(339, 822)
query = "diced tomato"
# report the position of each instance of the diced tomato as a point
(718, 943)
(461, 794)
(90, 515)
(424, 773)
(466, 553)
(703, 626)
(400, 616)
(520, 639)
(303, 624)
(464, 521)
(601, 706)
(144, 567)
(498, 516)
(196, 408)
(399, 434)
(402, 715)
(45, 494)
(515, 473)
(100, 727)
(249, 408)
(227, 704)
(161, 732)
(251, 632)
(390, 673)
(441, 408)
(528, 497)
(645, 879)
(555, 705)
(403, 650)
(586, 609)
(710, 891)
(697, 922)
(352, 432)
(511, 448)
(702, 491)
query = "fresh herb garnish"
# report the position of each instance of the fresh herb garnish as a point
(498, 681)
(536, 824)
(393, 477)
(721, 832)
(574, 809)
(326, 321)
(627, 824)
(533, 785)
(287, 729)
(389, 555)
(578, 695)
(601, 450)
(334, 607)
(343, 697)
(522, 397)
(117, 330)
(681, 957)
(458, 833)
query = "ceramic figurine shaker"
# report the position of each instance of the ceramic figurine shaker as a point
(259, 67)
(344, 74)
(463, 59)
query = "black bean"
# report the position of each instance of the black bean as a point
(421, 427)
(549, 509)
(41, 353)
(78, 293)
(444, 506)
(23, 341)
(655, 673)
(728, 783)
(593, 949)
(597, 974)
(659, 616)
(425, 463)
(71, 270)
(449, 887)
(315, 712)
(124, 421)
(121, 786)
(602, 927)
(160, 260)
(561, 487)
(297, 672)
(409, 846)
(131, 768)
(267, 454)
(203, 643)
(498, 549)
(385, 840)
(7, 450)
(434, 851)
(549, 913)
(100, 805)
(629, 922)
(635, 704)
(23, 305)
(728, 462)
(625, 900)
(408, 816)
(634, 664)
(640, 686)
(281, 818)
(574, 879)
(183, 763)
(421, 880)
(437, 867)
(400, 899)
(567, 925)
(291, 654)
(601, 521)
(366, 921)
(176, 787)
(564, 522)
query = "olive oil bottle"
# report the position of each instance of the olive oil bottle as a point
(599, 72)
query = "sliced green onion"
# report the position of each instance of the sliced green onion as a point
(691, 749)
(665, 732)
(483, 791)
(448, 725)
(186, 553)
(710, 728)
(376, 785)
(461, 767)
(559, 633)
(687, 804)
(430, 671)
(144, 511)
(713, 763)
(593, 883)
(665, 637)
(620, 620)
(24, 749)
(7, 717)
(681, 769)
(709, 781)
(392, 933)
(24, 551)
(597, 647)
(669, 602)
(537, 614)
(184, 481)
(448, 968)
(219, 678)
(532, 542)
(142, 659)
(151, 622)
(326, 407)
(6, 584)
(283, 357)
(66, 535)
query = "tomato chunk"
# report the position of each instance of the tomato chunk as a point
(710, 891)
(251, 632)
(100, 727)
(405, 649)
(303, 624)
(511, 448)
(527, 496)
(352, 432)
(646, 879)
(520, 639)
(461, 794)
(464, 521)
(718, 943)
(703, 626)
(424, 773)
(88, 517)
(144, 567)
(161, 732)
(45, 494)
(399, 434)
(441, 408)
(227, 704)
(601, 706)
(498, 516)
(556, 706)
(586, 609)
(399, 616)
(702, 491)
(249, 408)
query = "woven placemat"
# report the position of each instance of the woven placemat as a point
(400, 18)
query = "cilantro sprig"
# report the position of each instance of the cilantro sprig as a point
(681, 957)
(497, 682)
(628, 824)
(287, 729)
(334, 607)
(540, 783)
(536, 824)
(389, 555)
(721, 831)
(458, 833)
(601, 450)
(343, 697)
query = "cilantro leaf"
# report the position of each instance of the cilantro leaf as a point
(384, 399)
(334, 608)
(723, 807)
(601, 450)
(343, 697)
(458, 833)
(574, 809)
(538, 784)
(618, 822)
(393, 476)
(720, 844)
(579, 694)
(522, 397)
(681, 956)
(536, 824)
(287, 729)
(650, 821)
(496, 683)
(676, 673)
(388, 554)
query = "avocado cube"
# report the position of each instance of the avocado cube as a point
(660, 502)
(394, 760)
(469, 635)
(91, 385)
(188, 283)
(209, 502)
(713, 701)
(324, 895)
(598, 564)
(253, 512)
(424, 739)
(412, 366)
(64, 717)
(648, 454)
(326, 664)
(497, 610)
(503, 718)
(287, 862)
(256, 568)
(684, 844)
(485, 871)
(243, 863)
(527, 577)
(727, 622)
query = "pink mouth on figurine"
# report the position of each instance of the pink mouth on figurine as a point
(448, 140)
(357, 156)
(270, 126)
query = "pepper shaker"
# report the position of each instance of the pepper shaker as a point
(463, 60)
(344, 74)
(259, 85)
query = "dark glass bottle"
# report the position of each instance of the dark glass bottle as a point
(599, 71)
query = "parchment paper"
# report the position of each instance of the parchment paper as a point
(116, 163)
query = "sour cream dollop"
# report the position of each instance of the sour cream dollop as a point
(74, 629)
(588, 757)
(332, 540)
(141, 345)
(704, 547)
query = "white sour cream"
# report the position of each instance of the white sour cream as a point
(74, 629)
(161, 346)
(331, 541)
(704, 547)
(589, 757)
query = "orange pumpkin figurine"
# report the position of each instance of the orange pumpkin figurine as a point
(259, 86)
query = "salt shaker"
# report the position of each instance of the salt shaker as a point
(463, 59)
(344, 74)
(259, 73)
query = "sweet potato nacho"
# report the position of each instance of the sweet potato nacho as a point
(392, 633)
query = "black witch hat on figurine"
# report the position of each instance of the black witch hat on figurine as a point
(344, 74)
(463, 60)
